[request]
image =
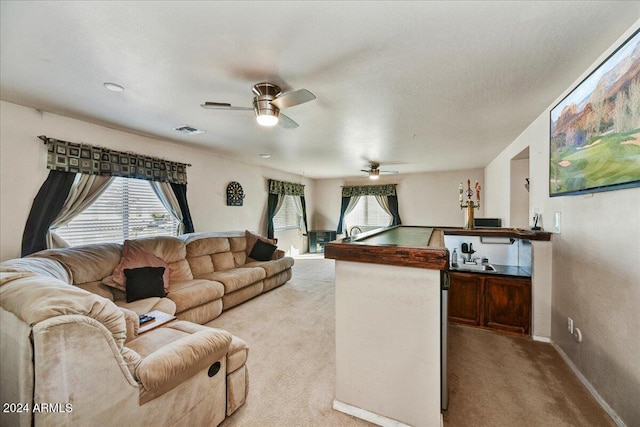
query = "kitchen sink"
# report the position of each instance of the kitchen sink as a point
(474, 267)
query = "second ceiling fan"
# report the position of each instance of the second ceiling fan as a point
(267, 103)
(374, 171)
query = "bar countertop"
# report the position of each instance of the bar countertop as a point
(414, 246)
(409, 246)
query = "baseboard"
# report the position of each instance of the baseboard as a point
(608, 409)
(363, 414)
(541, 339)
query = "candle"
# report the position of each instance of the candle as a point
(477, 187)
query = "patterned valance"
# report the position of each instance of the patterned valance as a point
(285, 188)
(91, 160)
(369, 190)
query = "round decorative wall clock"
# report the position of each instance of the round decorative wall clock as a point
(235, 194)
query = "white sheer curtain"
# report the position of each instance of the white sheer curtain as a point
(352, 204)
(84, 191)
(350, 207)
(279, 204)
(168, 198)
(297, 202)
(383, 201)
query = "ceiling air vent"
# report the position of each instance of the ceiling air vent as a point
(188, 130)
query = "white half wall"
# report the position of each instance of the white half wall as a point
(23, 170)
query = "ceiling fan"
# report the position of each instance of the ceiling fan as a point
(267, 103)
(374, 171)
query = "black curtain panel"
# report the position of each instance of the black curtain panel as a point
(393, 207)
(343, 209)
(272, 204)
(304, 215)
(45, 208)
(180, 191)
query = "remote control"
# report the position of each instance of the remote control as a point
(144, 318)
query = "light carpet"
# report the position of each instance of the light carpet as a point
(495, 380)
(291, 335)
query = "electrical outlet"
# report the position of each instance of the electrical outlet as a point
(570, 325)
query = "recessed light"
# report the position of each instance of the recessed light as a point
(113, 87)
(265, 156)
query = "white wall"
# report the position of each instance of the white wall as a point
(596, 266)
(23, 170)
(423, 198)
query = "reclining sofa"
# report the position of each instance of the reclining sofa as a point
(72, 353)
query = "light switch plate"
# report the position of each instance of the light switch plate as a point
(557, 222)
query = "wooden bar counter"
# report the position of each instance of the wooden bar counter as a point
(409, 246)
(390, 338)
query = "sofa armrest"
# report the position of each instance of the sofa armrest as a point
(175, 362)
(132, 322)
(279, 253)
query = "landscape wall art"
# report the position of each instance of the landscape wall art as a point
(595, 130)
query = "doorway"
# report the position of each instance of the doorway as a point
(519, 208)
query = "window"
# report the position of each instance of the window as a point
(367, 215)
(128, 209)
(287, 217)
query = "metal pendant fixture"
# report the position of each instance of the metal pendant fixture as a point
(266, 113)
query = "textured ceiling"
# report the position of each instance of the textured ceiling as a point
(425, 86)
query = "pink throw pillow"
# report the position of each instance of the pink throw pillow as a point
(135, 256)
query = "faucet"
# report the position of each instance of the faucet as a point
(467, 248)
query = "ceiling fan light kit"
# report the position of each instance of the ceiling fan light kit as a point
(266, 113)
(267, 103)
(267, 117)
(374, 171)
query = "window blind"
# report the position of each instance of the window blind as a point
(287, 217)
(367, 213)
(128, 209)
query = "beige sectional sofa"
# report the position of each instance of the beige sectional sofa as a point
(224, 259)
(69, 339)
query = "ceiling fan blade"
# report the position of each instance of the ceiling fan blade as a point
(388, 172)
(222, 106)
(365, 170)
(295, 97)
(286, 122)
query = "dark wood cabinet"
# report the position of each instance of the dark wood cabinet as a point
(507, 304)
(491, 302)
(465, 297)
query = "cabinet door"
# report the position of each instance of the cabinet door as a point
(465, 297)
(507, 304)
